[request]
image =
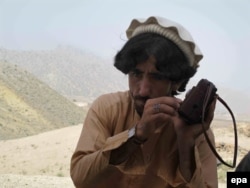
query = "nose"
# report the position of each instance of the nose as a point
(144, 87)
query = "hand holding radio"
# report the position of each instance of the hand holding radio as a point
(197, 102)
(159, 110)
(192, 130)
(198, 108)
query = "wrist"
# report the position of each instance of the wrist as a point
(133, 136)
(140, 132)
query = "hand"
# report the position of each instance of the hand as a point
(193, 131)
(156, 112)
(186, 135)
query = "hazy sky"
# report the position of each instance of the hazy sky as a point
(220, 27)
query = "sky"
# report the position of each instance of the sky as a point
(221, 28)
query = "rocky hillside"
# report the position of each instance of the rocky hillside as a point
(69, 71)
(28, 106)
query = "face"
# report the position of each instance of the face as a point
(146, 82)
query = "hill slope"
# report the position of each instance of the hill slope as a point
(69, 71)
(74, 72)
(28, 106)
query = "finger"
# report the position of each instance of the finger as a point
(210, 111)
(163, 108)
(156, 108)
(170, 101)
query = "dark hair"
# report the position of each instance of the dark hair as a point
(170, 60)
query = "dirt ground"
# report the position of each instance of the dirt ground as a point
(38, 161)
(43, 160)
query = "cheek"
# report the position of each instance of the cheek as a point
(131, 84)
(164, 89)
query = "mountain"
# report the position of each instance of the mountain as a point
(69, 71)
(82, 76)
(28, 106)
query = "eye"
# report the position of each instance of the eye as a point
(135, 73)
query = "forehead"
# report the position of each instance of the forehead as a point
(148, 65)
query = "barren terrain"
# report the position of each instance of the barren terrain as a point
(43, 160)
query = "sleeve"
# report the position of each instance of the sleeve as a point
(92, 152)
(205, 174)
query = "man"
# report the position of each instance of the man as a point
(137, 138)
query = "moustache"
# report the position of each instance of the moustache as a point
(140, 98)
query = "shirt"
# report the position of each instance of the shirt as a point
(153, 165)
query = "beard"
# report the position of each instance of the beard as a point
(139, 103)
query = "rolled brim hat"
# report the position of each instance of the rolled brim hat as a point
(171, 30)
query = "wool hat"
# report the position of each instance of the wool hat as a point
(171, 30)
